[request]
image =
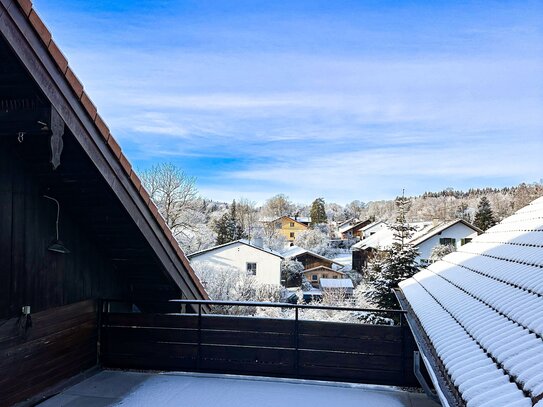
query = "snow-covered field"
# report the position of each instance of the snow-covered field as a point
(134, 389)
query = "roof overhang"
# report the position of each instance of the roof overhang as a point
(24, 31)
(447, 392)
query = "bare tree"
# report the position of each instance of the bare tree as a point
(174, 193)
(277, 206)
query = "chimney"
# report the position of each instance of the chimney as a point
(435, 222)
(258, 242)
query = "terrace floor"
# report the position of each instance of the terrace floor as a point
(122, 388)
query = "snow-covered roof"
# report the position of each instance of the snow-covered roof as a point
(441, 227)
(336, 283)
(346, 228)
(481, 309)
(372, 225)
(384, 238)
(239, 241)
(295, 251)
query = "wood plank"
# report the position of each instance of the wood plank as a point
(151, 335)
(369, 376)
(247, 354)
(345, 330)
(247, 324)
(367, 345)
(242, 338)
(350, 360)
(152, 320)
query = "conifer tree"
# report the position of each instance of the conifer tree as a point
(484, 217)
(396, 264)
(228, 227)
(318, 213)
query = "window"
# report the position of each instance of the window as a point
(464, 241)
(325, 276)
(447, 241)
(314, 277)
(292, 234)
(291, 224)
(334, 277)
(251, 269)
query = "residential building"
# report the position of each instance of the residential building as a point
(250, 258)
(342, 287)
(316, 274)
(290, 227)
(308, 258)
(426, 236)
(354, 230)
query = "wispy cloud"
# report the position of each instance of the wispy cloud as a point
(256, 99)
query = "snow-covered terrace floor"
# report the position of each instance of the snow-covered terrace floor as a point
(112, 388)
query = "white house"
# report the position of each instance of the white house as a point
(372, 228)
(253, 259)
(455, 233)
(426, 236)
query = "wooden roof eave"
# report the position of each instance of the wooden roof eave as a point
(447, 392)
(47, 66)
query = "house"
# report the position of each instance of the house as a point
(426, 236)
(308, 258)
(290, 227)
(372, 228)
(477, 314)
(351, 231)
(316, 274)
(245, 256)
(455, 233)
(76, 224)
(343, 287)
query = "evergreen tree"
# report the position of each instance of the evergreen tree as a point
(228, 227)
(484, 217)
(318, 213)
(395, 264)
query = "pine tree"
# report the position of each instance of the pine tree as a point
(395, 264)
(318, 213)
(484, 217)
(228, 227)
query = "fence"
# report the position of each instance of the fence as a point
(294, 347)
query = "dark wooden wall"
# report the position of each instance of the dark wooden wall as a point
(61, 343)
(29, 273)
(259, 346)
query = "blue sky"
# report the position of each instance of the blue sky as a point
(342, 100)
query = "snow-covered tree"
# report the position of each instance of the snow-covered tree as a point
(484, 217)
(277, 206)
(292, 272)
(396, 264)
(314, 240)
(441, 250)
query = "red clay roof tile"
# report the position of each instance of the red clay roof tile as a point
(144, 195)
(124, 162)
(40, 27)
(58, 56)
(102, 126)
(73, 80)
(135, 179)
(26, 6)
(112, 143)
(88, 105)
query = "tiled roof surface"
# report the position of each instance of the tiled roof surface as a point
(79, 91)
(482, 309)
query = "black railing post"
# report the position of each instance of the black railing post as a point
(100, 305)
(199, 351)
(403, 358)
(296, 344)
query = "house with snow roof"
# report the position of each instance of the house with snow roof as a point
(291, 226)
(309, 259)
(249, 257)
(353, 230)
(477, 316)
(426, 237)
(316, 274)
